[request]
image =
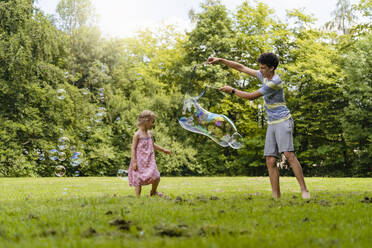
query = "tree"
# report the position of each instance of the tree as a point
(357, 117)
(343, 17)
(32, 59)
(74, 14)
(314, 95)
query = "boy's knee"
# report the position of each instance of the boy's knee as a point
(270, 161)
(290, 156)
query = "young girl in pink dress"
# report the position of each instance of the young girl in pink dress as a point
(143, 169)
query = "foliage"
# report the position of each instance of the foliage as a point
(315, 97)
(106, 83)
(357, 117)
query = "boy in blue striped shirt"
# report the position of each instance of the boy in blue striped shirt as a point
(279, 138)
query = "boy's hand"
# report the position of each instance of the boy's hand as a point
(226, 89)
(134, 165)
(213, 60)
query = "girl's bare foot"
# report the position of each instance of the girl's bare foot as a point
(157, 194)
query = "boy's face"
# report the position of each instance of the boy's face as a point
(266, 71)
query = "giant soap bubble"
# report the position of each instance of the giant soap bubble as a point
(217, 127)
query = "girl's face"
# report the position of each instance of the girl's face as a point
(150, 124)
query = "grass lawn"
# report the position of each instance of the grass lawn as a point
(200, 212)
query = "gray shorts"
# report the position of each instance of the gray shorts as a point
(279, 138)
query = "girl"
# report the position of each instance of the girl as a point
(143, 169)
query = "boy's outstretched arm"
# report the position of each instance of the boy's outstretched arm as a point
(243, 94)
(232, 64)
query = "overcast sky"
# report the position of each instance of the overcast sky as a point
(121, 18)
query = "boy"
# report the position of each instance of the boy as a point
(279, 137)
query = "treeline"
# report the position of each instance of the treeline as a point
(71, 97)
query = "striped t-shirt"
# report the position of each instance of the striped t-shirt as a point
(273, 93)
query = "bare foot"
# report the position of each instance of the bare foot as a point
(305, 195)
(157, 194)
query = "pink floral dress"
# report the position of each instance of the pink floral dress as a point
(147, 171)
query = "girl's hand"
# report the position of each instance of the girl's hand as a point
(167, 152)
(134, 166)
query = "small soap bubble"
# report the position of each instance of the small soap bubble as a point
(85, 91)
(75, 155)
(146, 59)
(123, 136)
(60, 171)
(98, 120)
(38, 154)
(101, 94)
(53, 154)
(76, 173)
(42, 158)
(63, 143)
(76, 159)
(122, 174)
(61, 156)
(61, 94)
(100, 114)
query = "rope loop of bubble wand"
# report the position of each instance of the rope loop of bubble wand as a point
(205, 87)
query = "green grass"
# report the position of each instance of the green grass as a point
(201, 212)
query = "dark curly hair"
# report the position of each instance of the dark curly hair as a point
(269, 59)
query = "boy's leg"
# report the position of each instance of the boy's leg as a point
(274, 175)
(297, 170)
(271, 153)
(284, 136)
(154, 187)
(138, 191)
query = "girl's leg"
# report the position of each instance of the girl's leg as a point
(138, 191)
(154, 187)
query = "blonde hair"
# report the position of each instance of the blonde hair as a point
(145, 115)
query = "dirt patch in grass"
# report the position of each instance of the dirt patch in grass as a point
(172, 230)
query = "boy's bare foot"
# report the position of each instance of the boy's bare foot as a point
(305, 194)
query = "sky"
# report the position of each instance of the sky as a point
(122, 18)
